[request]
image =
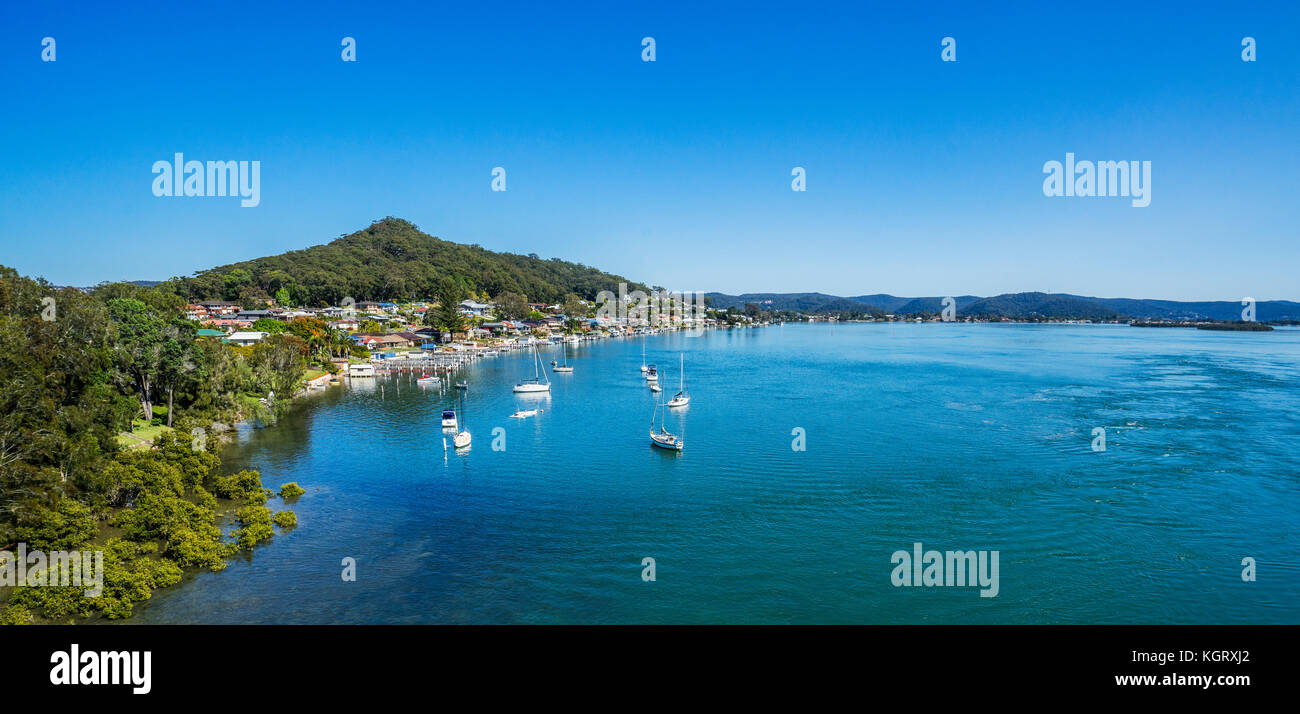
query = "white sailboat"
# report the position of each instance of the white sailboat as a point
(644, 368)
(663, 438)
(537, 383)
(683, 397)
(462, 437)
(563, 367)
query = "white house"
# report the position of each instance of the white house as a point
(477, 309)
(244, 339)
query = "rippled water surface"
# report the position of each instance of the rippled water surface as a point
(970, 437)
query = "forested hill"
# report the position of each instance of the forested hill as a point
(393, 260)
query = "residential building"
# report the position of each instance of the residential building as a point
(243, 339)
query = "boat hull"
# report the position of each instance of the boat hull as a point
(532, 388)
(664, 441)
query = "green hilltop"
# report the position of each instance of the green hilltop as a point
(394, 260)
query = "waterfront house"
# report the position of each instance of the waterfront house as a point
(381, 342)
(426, 335)
(496, 328)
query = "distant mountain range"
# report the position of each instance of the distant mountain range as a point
(1014, 305)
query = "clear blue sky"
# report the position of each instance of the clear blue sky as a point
(924, 177)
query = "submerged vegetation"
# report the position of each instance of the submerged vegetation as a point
(81, 368)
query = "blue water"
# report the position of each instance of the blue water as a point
(961, 437)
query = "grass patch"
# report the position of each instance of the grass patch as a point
(143, 433)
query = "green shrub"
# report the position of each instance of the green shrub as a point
(66, 526)
(130, 575)
(255, 526)
(15, 615)
(244, 486)
(291, 490)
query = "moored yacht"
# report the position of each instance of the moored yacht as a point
(538, 382)
(682, 398)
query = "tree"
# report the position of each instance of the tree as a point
(139, 346)
(234, 282)
(279, 362)
(271, 325)
(314, 332)
(511, 306)
(447, 315)
(575, 312)
(175, 359)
